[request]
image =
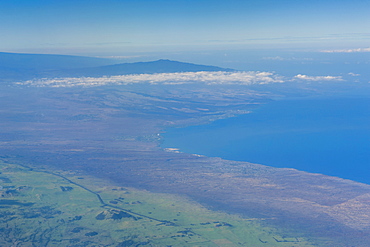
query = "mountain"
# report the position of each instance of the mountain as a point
(48, 61)
(20, 66)
(17, 66)
(159, 66)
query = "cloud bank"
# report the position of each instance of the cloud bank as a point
(204, 77)
(278, 58)
(348, 50)
(317, 78)
(200, 78)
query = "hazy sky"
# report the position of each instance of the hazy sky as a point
(106, 26)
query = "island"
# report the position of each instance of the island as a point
(84, 158)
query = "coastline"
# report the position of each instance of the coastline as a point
(52, 128)
(329, 136)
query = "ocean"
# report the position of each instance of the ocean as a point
(330, 136)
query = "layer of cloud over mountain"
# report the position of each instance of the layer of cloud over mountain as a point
(204, 77)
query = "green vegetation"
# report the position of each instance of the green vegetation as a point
(56, 208)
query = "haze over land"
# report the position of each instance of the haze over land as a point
(48, 124)
(80, 133)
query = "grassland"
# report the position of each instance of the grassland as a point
(40, 207)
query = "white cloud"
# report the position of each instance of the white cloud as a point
(119, 57)
(353, 74)
(208, 78)
(203, 77)
(347, 50)
(317, 78)
(278, 58)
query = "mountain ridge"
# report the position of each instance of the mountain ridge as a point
(21, 66)
(49, 61)
(151, 67)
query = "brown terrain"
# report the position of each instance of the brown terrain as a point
(114, 132)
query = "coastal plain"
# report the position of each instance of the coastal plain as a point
(82, 163)
(112, 133)
(43, 207)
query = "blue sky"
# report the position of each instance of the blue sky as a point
(93, 27)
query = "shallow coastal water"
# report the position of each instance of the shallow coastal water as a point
(320, 135)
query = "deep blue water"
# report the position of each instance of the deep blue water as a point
(329, 136)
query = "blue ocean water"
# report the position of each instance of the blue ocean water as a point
(321, 135)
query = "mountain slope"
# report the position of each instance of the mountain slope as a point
(48, 62)
(19, 66)
(159, 66)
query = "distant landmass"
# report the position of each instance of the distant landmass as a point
(20, 66)
(82, 165)
(16, 66)
(159, 66)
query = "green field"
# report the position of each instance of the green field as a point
(42, 207)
